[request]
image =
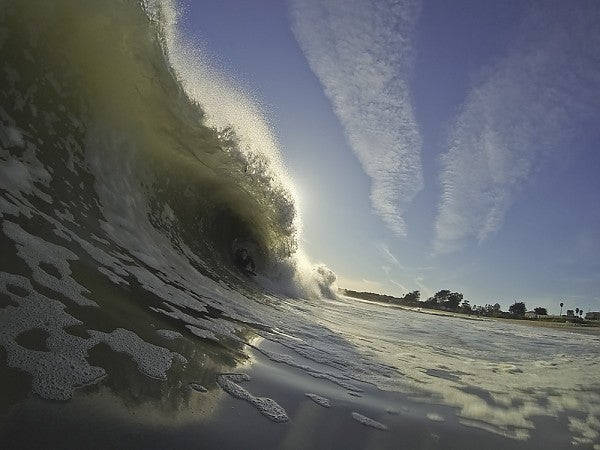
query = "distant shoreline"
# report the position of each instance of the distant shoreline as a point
(593, 329)
(589, 329)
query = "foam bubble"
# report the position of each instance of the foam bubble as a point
(267, 407)
(114, 278)
(435, 417)
(169, 334)
(198, 387)
(340, 380)
(335, 379)
(201, 327)
(368, 422)
(202, 333)
(319, 400)
(35, 250)
(152, 360)
(15, 137)
(57, 372)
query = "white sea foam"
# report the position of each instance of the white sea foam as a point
(198, 387)
(340, 379)
(368, 422)
(64, 367)
(169, 334)
(152, 360)
(202, 333)
(268, 407)
(15, 137)
(57, 372)
(324, 402)
(499, 376)
(435, 417)
(23, 175)
(35, 250)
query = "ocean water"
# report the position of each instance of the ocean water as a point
(129, 173)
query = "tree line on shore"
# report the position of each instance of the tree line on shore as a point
(446, 300)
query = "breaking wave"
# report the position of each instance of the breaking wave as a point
(109, 113)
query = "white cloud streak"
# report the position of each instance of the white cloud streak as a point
(401, 286)
(530, 104)
(384, 250)
(425, 290)
(362, 54)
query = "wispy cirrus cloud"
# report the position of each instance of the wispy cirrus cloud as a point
(362, 54)
(385, 252)
(530, 104)
(403, 288)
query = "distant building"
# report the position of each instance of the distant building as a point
(593, 315)
(531, 315)
(570, 313)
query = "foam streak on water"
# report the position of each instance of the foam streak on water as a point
(500, 376)
(268, 407)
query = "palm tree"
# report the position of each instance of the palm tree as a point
(561, 306)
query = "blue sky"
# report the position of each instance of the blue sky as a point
(433, 145)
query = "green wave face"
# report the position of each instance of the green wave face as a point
(91, 83)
